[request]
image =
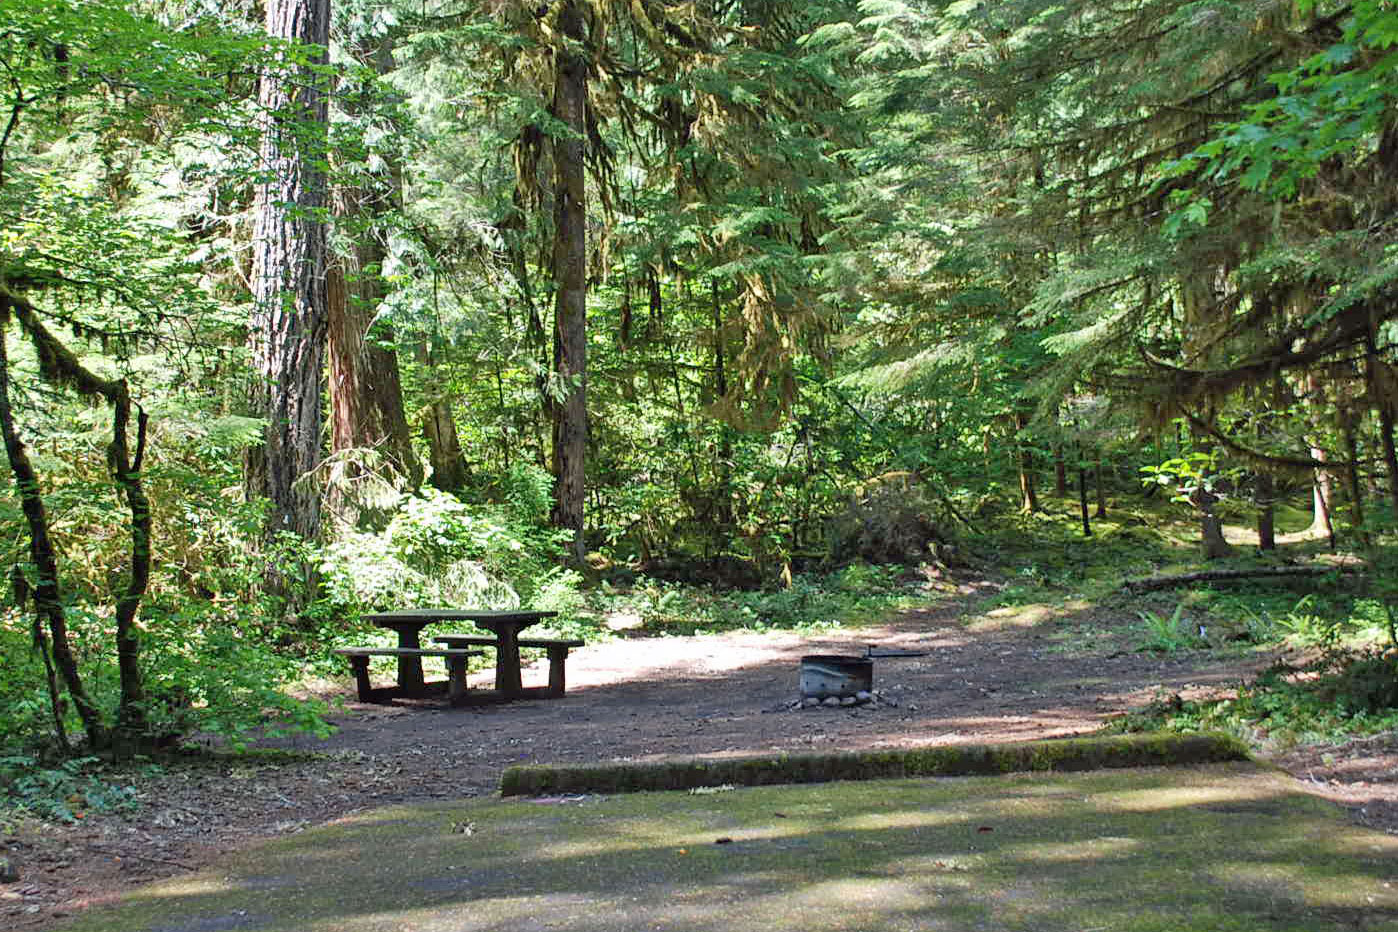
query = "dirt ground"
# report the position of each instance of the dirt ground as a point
(999, 676)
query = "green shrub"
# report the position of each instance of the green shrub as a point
(1363, 684)
(207, 677)
(437, 550)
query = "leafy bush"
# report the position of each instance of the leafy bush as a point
(438, 550)
(1362, 684)
(207, 677)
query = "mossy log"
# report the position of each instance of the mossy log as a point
(1061, 754)
(1151, 583)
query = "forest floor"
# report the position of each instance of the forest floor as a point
(989, 674)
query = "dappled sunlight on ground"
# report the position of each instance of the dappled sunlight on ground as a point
(1120, 850)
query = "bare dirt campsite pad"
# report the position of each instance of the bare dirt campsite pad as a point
(990, 674)
(1219, 847)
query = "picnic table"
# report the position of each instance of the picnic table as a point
(505, 627)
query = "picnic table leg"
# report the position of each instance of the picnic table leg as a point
(558, 655)
(409, 668)
(456, 680)
(507, 679)
(360, 667)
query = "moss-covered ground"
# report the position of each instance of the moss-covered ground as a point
(1216, 847)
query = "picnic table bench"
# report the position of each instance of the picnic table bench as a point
(455, 684)
(557, 649)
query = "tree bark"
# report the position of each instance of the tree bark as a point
(723, 512)
(1101, 488)
(1210, 527)
(1265, 497)
(1028, 496)
(1082, 500)
(443, 447)
(1322, 499)
(570, 281)
(289, 320)
(132, 722)
(1354, 488)
(1381, 392)
(60, 367)
(366, 393)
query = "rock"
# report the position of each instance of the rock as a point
(810, 702)
(849, 700)
(9, 871)
(864, 696)
(830, 702)
(623, 621)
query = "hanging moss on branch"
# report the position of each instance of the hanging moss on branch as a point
(60, 367)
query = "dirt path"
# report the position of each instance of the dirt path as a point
(1008, 676)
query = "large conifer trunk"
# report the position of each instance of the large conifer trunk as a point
(366, 394)
(570, 278)
(287, 332)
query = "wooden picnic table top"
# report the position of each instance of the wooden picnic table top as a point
(426, 616)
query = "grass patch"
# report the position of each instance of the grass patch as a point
(1064, 754)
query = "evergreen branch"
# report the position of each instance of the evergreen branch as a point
(1248, 453)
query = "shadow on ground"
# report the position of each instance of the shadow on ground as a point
(1223, 847)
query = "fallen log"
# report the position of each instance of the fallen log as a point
(1151, 583)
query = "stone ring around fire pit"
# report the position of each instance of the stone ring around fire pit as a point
(834, 679)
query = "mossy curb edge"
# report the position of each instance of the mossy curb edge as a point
(1062, 754)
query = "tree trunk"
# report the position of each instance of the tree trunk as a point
(1060, 473)
(1382, 391)
(1153, 583)
(1265, 497)
(570, 280)
(132, 722)
(1028, 497)
(443, 447)
(289, 318)
(1390, 456)
(366, 394)
(1101, 489)
(48, 599)
(1354, 487)
(723, 513)
(1082, 501)
(1210, 527)
(1322, 498)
